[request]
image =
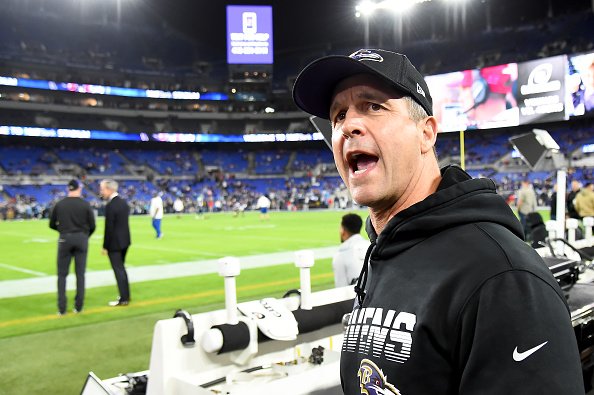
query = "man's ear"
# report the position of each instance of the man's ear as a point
(429, 134)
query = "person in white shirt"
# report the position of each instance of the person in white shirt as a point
(178, 206)
(263, 205)
(348, 261)
(156, 213)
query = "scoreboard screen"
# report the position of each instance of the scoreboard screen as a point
(249, 34)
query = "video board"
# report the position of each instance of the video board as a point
(543, 90)
(475, 99)
(249, 34)
(580, 85)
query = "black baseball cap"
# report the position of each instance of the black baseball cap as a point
(315, 84)
(73, 185)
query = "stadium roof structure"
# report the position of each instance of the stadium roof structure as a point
(308, 26)
(305, 25)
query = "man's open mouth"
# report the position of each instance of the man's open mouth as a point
(360, 163)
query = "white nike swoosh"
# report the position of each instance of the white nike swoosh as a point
(520, 356)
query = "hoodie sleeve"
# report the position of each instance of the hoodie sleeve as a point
(53, 222)
(516, 338)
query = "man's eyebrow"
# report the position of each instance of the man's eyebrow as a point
(371, 96)
(333, 107)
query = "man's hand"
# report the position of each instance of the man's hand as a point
(103, 251)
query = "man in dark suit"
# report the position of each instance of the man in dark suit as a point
(116, 239)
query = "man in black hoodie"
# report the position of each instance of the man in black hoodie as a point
(451, 300)
(75, 220)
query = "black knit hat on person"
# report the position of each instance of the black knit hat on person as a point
(316, 83)
(73, 185)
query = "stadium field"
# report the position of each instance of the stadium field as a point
(47, 354)
(30, 246)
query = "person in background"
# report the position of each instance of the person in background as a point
(178, 206)
(238, 208)
(74, 219)
(584, 201)
(263, 205)
(200, 206)
(116, 239)
(348, 260)
(526, 203)
(553, 204)
(451, 300)
(575, 189)
(156, 213)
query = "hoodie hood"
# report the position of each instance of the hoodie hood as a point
(459, 200)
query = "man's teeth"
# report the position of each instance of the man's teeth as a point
(363, 163)
(360, 169)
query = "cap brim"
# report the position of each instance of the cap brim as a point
(314, 86)
(324, 127)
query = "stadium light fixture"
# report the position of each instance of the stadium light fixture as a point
(397, 6)
(365, 9)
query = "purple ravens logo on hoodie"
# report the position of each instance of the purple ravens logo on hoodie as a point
(373, 381)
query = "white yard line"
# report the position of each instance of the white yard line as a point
(47, 283)
(155, 248)
(20, 269)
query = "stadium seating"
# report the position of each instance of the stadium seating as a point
(94, 160)
(37, 44)
(164, 162)
(227, 161)
(26, 160)
(271, 162)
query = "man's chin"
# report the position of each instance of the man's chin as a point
(362, 201)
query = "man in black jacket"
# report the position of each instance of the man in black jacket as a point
(116, 239)
(450, 300)
(74, 219)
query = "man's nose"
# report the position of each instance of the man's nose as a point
(353, 125)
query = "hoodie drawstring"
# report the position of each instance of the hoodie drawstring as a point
(362, 280)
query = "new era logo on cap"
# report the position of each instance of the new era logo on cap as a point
(420, 90)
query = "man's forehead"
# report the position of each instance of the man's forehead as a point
(363, 86)
(366, 84)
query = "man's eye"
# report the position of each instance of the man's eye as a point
(375, 106)
(339, 116)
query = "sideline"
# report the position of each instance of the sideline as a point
(152, 302)
(93, 279)
(20, 269)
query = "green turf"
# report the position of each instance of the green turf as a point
(37, 313)
(46, 354)
(60, 351)
(31, 245)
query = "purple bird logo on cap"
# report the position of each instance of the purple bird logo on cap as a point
(366, 54)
